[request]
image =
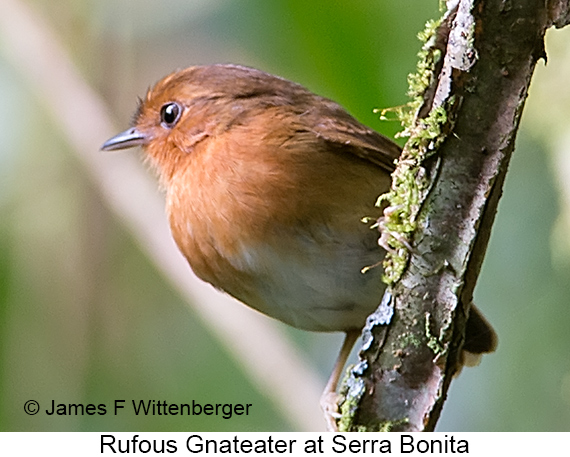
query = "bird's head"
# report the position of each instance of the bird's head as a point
(191, 105)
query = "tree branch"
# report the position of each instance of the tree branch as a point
(473, 103)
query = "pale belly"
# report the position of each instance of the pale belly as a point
(313, 286)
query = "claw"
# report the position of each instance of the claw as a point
(330, 399)
(329, 405)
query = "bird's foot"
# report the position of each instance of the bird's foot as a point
(386, 235)
(329, 405)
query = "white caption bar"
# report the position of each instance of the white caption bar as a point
(188, 444)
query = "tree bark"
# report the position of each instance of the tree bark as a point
(413, 342)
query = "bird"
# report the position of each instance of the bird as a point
(266, 188)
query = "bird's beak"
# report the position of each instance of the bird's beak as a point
(124, 140)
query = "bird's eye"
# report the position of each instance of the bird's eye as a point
(170, 114)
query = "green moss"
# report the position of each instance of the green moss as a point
(347, 409)
(388, 426)
(408, 339)
(408, 180)
(434, 342)
(352, 390)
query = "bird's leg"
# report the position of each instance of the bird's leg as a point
(386, 234)
(330, 399)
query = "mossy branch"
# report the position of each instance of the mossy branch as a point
(467, 99)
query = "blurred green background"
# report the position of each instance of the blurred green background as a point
(85, 317)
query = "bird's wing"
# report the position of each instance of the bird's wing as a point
(342, 130)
